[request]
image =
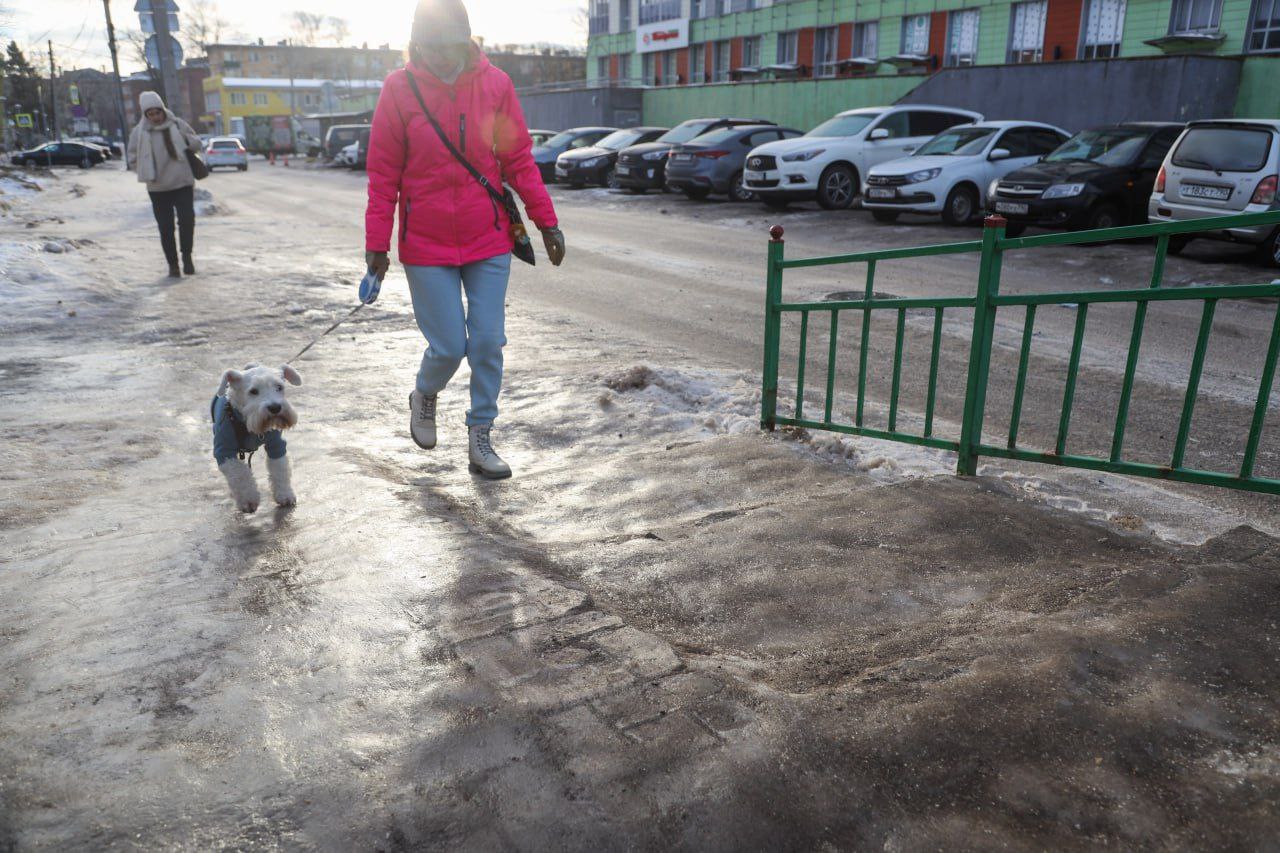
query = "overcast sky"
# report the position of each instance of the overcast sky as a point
(78, 27)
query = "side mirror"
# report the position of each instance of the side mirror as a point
(878, 133)
(998, 154)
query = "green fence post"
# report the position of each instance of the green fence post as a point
(772, 331)
(975, 394)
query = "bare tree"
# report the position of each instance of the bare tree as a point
(339, 30)
(580, 19)
(204, 25)
(307, 26)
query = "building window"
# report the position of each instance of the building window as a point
(647, 74)
(706, 8)
(624, 17)
(1026, 31)
(1195, 16)
(915, 35)
(825, 42)
(259, 99)
(866, 39)
(751, 51)
(1104, 25)
(788, 48)
(652, 11)
(253, 56)
(720, 62)
(670, 68)
(238, 99)
(602, 67)
(598, 17)
(962, 37)
(212, 101)
(1264, 27)
(742, 5)
(697, 63)
(624, 65)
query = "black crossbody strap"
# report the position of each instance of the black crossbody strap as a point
(448, 143)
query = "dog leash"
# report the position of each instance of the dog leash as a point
(317, 338)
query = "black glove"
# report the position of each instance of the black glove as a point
(378, 262)
(553, 239)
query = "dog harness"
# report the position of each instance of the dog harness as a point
(232, 439)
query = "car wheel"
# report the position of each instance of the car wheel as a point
(962, 204)
(738, 192)
(696, 193)
(611, 179)
(84, 164)
(1177, 244)
(776, 203)
(885, 215)
(1105, 216)
(1268, 251)
(1015, 229)
(837, 187)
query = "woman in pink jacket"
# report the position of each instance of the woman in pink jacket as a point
(453, 236)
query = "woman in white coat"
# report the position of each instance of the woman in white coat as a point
(158, 151)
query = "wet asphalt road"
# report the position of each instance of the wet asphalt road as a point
(654, 637)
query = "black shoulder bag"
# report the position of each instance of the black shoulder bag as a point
(523, 247)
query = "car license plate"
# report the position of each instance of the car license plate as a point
(1011, 207)
(753, 176)
(624, 170)
(1201, 191)
(682, 157)
(882, 192)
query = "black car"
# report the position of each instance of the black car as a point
(578, 137)
(61, 154)
(644, 167)
(1099, 178)
(595, 165)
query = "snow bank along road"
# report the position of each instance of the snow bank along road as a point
(667, 631)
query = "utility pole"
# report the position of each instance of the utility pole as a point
(53, 94)
(115, 67)
(168, 74)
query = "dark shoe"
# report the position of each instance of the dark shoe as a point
(188, 267)
(174, 272)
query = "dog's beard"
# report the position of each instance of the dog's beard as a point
(262, 421)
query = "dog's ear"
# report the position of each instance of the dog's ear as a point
(230, 377)
(294, 377)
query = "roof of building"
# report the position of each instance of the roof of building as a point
(298, 83)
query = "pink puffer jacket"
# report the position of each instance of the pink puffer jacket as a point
(446, 217)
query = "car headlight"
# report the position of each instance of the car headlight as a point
(923, 175)
(802, 156)
(1063, 191)
(592, 163)
(655, 155)
(991, 190)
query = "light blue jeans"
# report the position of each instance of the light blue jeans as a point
(478, 334)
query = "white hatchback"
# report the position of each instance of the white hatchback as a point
(950, 173)
(226, 151)
(830, 162)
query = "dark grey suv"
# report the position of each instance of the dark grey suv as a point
(712, 163)
(644, 167)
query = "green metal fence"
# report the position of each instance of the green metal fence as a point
(984, 305)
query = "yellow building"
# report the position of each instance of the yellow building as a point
(229, 101)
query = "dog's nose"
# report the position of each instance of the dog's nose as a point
(274, 408)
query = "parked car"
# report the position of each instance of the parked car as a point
(950, 173)
(1219, 168)
(644, 167)
(540, 137)
(339, 136)
(226, 151)
(1099, 178)
(829, 162)
(348, 156)
(61, 154)
(713, 162)
(113, 148)
(579, 137)
(596, 164)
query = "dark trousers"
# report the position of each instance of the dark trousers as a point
(164, 205)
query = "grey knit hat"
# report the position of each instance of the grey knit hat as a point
(441, 22)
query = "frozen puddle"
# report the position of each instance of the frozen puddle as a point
(709, 403)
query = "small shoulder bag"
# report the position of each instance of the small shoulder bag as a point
(522, 247)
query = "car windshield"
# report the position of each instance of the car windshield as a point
(226, 143)
(562, 139)
(844, 125)
(684, 132)
(1223, 149)
(961, 142)
(717, 137)
(1111, 147)
(620, 139)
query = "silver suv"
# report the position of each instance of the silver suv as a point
(1219, 168)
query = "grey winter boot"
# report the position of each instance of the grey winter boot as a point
(483, 460)
(422, 419)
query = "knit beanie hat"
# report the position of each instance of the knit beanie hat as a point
(150, 100)
(441, 22)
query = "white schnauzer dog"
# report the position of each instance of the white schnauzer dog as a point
(250, 411)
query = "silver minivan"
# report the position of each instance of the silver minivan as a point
(1218, 168)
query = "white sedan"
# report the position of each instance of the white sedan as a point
(950, 173)
(226, 151)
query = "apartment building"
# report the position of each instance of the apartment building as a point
(282, 61)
